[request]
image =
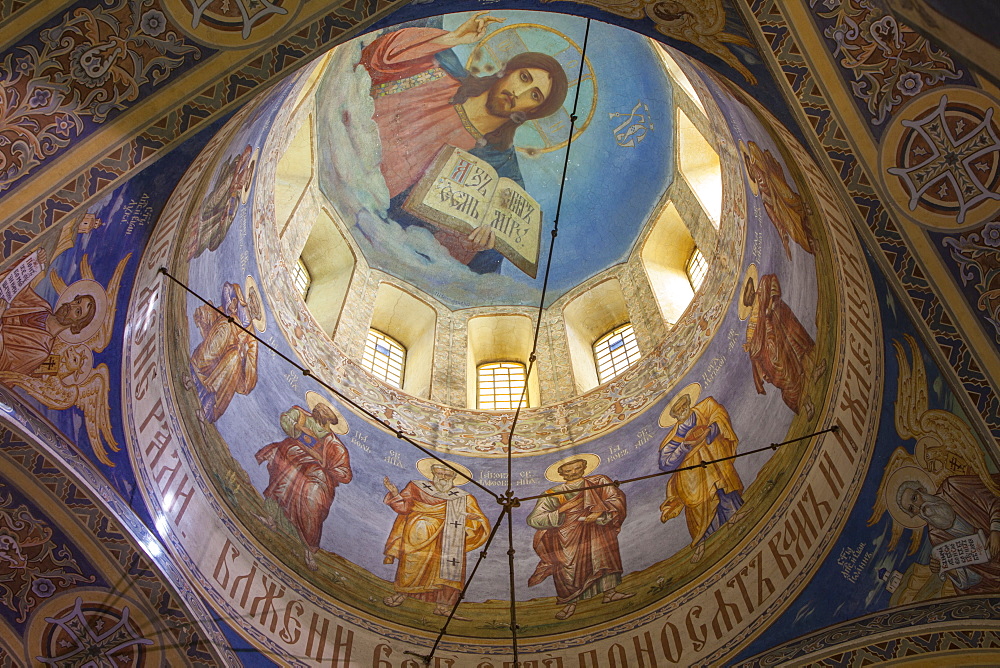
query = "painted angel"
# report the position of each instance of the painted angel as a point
(946, 456)
(67, 376)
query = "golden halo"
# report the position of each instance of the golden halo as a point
(427, 463)
(891, 486)
(593, 461)
(252, 292)
(315, 398)
(481, 47)
(693, 390)
(90, 287)
(752, 182)
(743, 311)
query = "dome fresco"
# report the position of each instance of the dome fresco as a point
(624, 100)
(340, 502)
(755, 488)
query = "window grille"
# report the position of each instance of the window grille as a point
(501, 385)
(301, 278)
(697, 269)
(384, 357)
(615, 351)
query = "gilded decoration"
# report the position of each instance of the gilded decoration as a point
(890, 62)
(941, 158)
(91, 65)
(33, 566)
(977, 254)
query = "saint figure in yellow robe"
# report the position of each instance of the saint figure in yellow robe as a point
(709, 495)
(436, 524)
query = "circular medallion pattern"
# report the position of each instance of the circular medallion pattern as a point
(941, 158)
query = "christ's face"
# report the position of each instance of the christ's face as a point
(520, 90)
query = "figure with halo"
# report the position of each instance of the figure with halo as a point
(49, 352)
(436, 524)
(781, 351)
(945, 486)
(576, 541)
(425, 100)
(305, 469)
(224, 363)
(712, 493)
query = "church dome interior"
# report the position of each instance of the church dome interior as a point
(526, 334)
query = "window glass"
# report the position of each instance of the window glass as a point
(301, 278)
(500, 385)
(697, 268)
(384, 357)
(615, 351)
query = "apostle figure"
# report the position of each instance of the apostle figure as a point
(783, 205)
(961, 507)
(305, 468)
(425, 100)
(711, 494)
(780, 349)
(436, 524)
(225, 362)
(577, 538)
(230, 187)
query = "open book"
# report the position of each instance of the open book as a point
(462, 192)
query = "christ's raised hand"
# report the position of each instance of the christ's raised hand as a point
(471, 31)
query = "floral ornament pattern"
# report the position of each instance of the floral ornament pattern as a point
(32, 566)
(90, 65)
(978, 257)
(890, 62)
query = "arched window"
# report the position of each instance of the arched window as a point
(384, 357)
(301, 278)
(615, 352)
(501, 385)
(697, 268)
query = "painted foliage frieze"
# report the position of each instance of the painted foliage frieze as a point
(975, 258)
(73, 588)
(93, 64)
(888, 62)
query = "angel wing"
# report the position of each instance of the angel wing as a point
(900, 458)
(93, 401)
(958, 448)
(99, 341)
(911, 391)
(700, 22)
(48, 389)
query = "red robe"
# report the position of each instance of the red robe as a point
(578, 555)
(416, 117)
(778, 344)
(303, 480)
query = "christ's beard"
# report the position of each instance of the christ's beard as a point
(495, 104)
(937, 512)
